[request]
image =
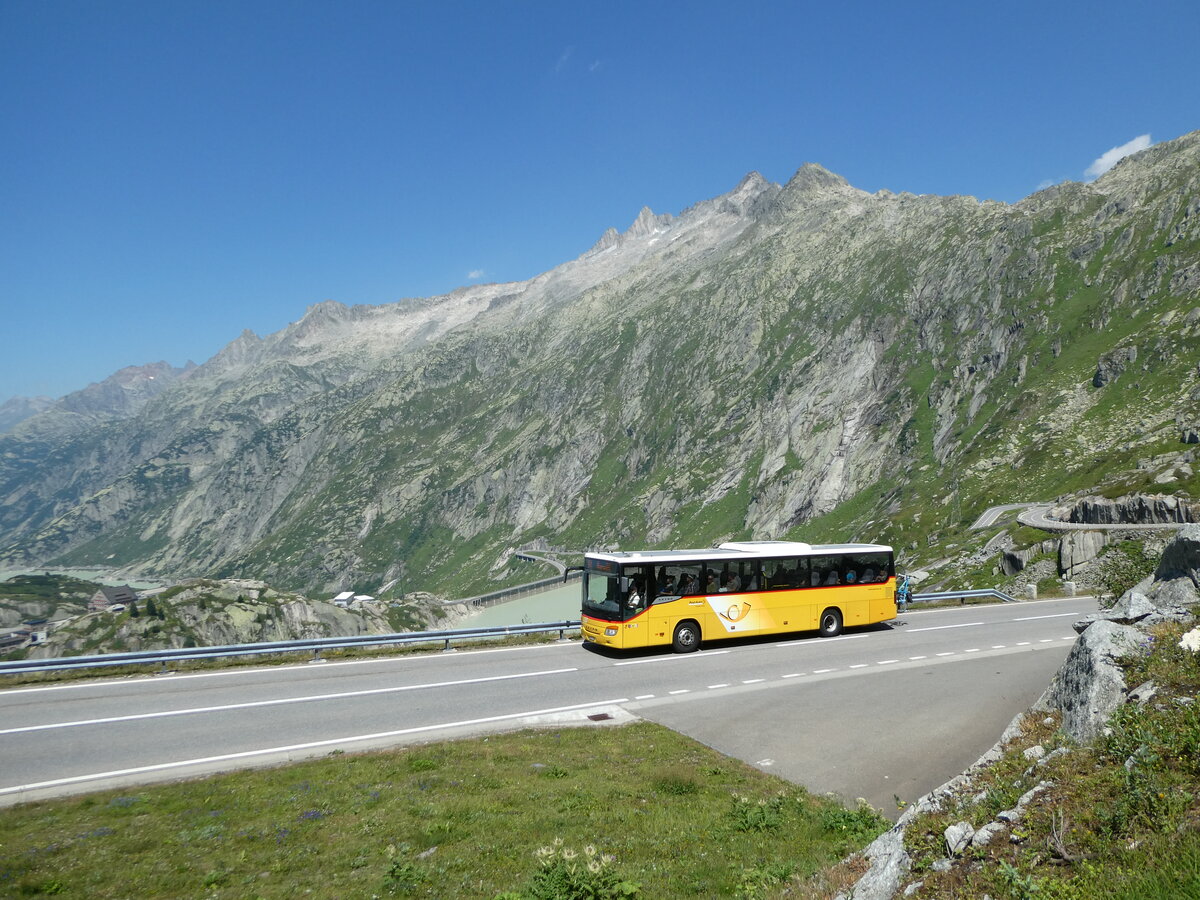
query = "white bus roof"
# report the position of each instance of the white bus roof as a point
(738, 550)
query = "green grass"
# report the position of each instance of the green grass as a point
(457, 819)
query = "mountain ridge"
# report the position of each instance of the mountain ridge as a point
(749, 366)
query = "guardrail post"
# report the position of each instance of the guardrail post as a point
(316, 657)
(446, 648)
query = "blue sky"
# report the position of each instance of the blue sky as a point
(174, 171)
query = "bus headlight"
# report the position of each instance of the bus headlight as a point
(610, 632)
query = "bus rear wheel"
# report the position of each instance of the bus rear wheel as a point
(687, 637)
(831, 623)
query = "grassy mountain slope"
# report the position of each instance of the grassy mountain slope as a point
(818, 363)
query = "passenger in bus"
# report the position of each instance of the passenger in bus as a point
(636, 594)
(868, 575)
(687, 584)
(850, 576)
(668, 587)
(712, 584)
(832, 577)
(815, 579)
(730, 583)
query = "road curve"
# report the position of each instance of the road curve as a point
(1037, 515)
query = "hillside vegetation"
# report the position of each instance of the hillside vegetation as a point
(800, 361)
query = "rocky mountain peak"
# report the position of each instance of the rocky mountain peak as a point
(648, 223)
(124, 392)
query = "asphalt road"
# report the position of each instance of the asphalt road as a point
(891, 709)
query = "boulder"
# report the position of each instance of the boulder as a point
(1077, 549)
(1090, 685)
(1112, 365)
(958, 837)
(1181, 557)
(890, 863)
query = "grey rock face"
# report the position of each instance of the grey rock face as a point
(1090, 685)
(1077, 549)
(1137, 509)
(958, 837)
(1181, 557)
(890, 863)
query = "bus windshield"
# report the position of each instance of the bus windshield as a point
(620, 595)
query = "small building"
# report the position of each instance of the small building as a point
(110, 596)
(343, 599)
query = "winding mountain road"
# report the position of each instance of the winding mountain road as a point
(1037, 515)
(888, 710)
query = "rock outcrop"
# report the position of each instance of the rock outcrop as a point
(1137, 509)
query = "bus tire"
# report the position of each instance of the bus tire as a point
(831, 622)
(686, 638)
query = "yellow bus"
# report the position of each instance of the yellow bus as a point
(741, 588)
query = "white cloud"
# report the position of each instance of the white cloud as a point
(476, 274)
(563, 59)
(1116, 154)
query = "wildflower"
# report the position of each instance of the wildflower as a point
(568, 853)
(589, 851)
(594, 866)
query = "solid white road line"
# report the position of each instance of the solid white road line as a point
(296, 748)
(704, 654)
(162, 714)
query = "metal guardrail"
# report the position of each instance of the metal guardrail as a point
(950, 595)
(313, 645)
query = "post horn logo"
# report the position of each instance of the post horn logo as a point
(736, 613)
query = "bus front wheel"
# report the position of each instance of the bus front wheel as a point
(831, 623)
(687, 637)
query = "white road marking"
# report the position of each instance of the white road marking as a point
(947, 653)
(859, 666)
(916, 657)
(283, 701)
(1053, 616)
(644, 697)
(823, 641)
(713, 687)
(822, 671)
(295, 748)
(884, 662)
(150, 679)
(753, 680)
(705, 654)
(793, 675)
(943, 627)
(683, 691)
